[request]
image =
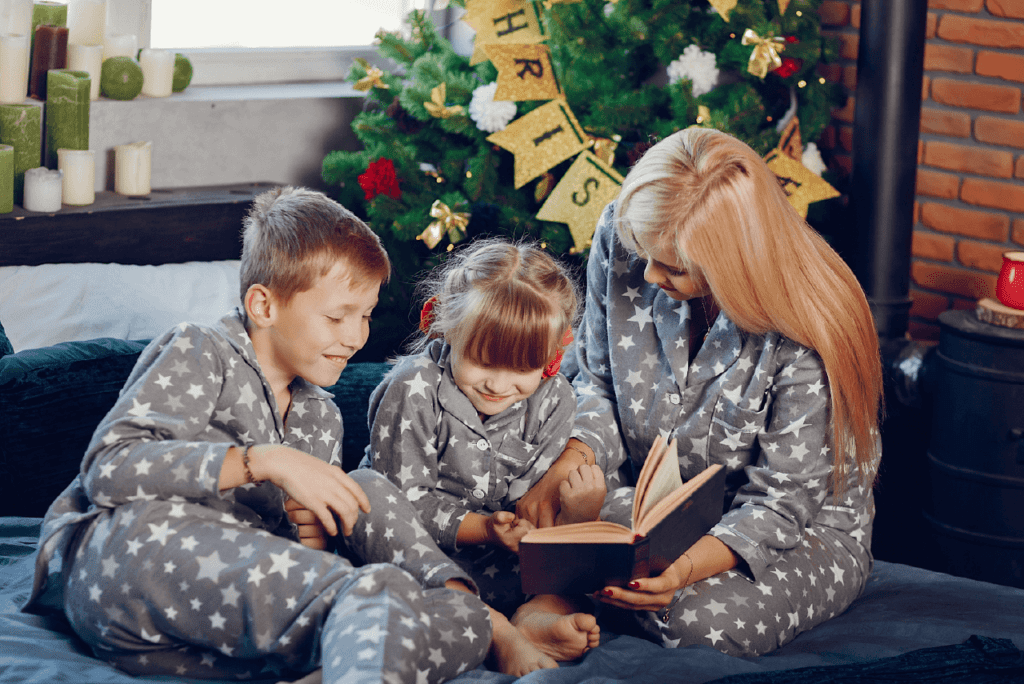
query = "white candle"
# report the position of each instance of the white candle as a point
(87, 21)
(157, 72)
(17, 17)
(14, 60)
(79, 169)
(132, 168)
(87, 58)
(42, 189)
(120, 44)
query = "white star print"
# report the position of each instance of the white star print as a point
(626, 341)
(642, 316)
(417, 385)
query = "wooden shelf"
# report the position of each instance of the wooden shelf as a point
(166, 226)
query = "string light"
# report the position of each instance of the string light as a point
(469, 174)
(801, 84)
(821, 80)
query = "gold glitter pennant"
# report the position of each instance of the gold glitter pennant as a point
(445, 222)
(765, 56)
(503, 21)
(801, 185)
(372, 79)
(783, 6)
(723, 7)
(790, 142)
(580, 197)
(524, 72)
(437, 107)
(540, 139)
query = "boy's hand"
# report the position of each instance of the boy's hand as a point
(323, 489)
(311, 531)
(505, 529)
(581, 495)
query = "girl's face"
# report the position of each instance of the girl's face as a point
(492, 389)
(664, 270)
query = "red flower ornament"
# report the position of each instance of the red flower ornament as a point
(789, 67)
(379, 179)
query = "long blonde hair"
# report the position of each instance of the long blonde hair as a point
(734, 229)
(508, 304)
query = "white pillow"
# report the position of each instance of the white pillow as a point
(43, 305)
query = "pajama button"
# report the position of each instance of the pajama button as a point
(674, 398)
(478, 493)
(482, 445)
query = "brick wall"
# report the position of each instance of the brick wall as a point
(969, 205)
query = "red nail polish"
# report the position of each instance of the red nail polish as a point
(607, 592)
(634, 585)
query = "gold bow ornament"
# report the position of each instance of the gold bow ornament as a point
(437, 107)
(445, 222)
(765, 56)
(372, 79)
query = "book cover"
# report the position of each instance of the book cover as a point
(669, 516)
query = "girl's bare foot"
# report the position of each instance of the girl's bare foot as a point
(563, 637)
(512, 652)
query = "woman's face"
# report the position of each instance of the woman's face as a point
(663, 268)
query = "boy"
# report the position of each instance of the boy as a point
(169, 554)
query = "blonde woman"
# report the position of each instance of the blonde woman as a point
(716, 316)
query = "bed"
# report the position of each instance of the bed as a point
(910, 624)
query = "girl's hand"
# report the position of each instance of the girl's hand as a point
(311, 530)
(651, 593)
(505, 529)
(581, 495)
(323, 489)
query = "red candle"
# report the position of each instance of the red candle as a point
(50, 51)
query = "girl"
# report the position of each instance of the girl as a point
(717, 316)
(472, 418)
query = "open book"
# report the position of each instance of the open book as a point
(668, 517)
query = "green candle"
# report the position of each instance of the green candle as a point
(67, 112)
(6, 179)
(21, 127)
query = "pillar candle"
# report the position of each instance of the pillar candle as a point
(132, 168)
(87, 58)
(17, 17)
(120, 44)
(87, 21)
(6, 179)
(43, 189)
(14, 59)
(67, 112)
(79, 182)
(46, 13)
(157, 72)
(21, 127)
(50, 51)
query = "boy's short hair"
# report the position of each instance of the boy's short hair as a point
(293, 236)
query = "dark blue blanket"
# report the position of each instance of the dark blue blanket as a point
(903, 609)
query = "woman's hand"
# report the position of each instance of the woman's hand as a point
(322, 489)
(506, 530)
(311, 530)
(651, 593)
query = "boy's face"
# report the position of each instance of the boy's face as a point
(317, 331)
(492, 389)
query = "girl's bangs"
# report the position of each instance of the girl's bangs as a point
(518, 335)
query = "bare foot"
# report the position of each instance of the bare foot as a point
(513, 653)
(563, 637)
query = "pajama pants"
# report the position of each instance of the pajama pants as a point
(496, 573)
(809, 584)
(182, 589)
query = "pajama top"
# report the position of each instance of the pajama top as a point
(194, 393)
(756, 403)
(427, 437)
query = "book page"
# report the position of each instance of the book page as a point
(593, 532)
(658, 478)
(673, 500)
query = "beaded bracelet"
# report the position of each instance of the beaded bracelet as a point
(248, 472)
(586, 459)
(686, 582)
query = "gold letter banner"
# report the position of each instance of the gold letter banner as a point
(540, 139)
(801, 185)
(723, 7)
(581, 196)
(524, 72)
(503, 21)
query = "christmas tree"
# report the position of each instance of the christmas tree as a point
(531, 134)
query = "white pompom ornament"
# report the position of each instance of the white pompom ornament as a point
(812, 159)
(490, 116)
(696, 65)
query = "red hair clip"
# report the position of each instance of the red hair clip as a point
(427, 315)
(551, 370)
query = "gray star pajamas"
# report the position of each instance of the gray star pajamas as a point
(756, 403)
(428, 439)
(161, 573)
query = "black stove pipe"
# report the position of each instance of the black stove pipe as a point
(890, 70)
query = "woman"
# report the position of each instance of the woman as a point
(716, 316)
